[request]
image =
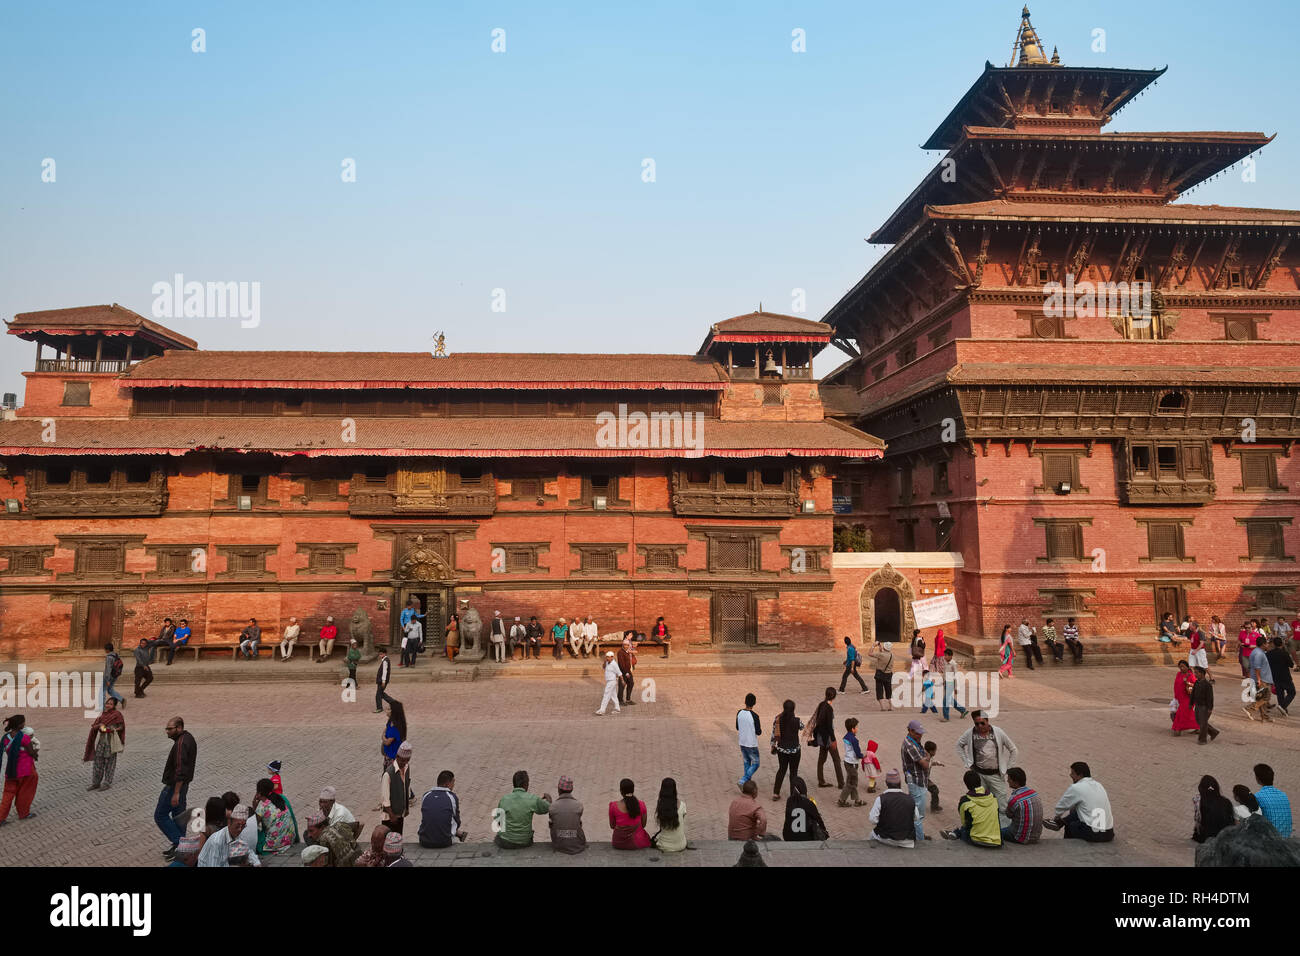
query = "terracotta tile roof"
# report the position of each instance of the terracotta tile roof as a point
(422, 370)
(1129, 212)
(766, 327)
(1193, 136)
(91, 318)
(441, 437)
(1156, 374)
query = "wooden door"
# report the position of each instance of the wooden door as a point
(734, 618)
(99, 623)
(1170, 599)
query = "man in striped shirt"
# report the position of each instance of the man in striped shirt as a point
(1025, 810)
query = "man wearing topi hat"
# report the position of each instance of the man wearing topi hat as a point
(395, 792)
(393, 851)
(894, 815)
(613, 676)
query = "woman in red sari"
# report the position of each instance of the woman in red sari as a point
(1184, 718)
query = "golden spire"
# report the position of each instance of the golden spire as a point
(1031, 50)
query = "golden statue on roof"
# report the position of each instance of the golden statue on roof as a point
(439, 345)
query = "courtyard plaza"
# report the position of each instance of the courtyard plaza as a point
(539, 716)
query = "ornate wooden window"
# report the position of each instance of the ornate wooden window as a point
(1066, 603)
(522, 557)
(904, 484)
(526, 487)
(246, 561)
(1143, 327)
(58, 475)
(1064, 538)
(375, 474)
(942, 533)
(1060, 467)
(1241, 327)
(734, 552)
(326, 558)
(1259, 471)
(152, 401)
(661, 557)
(941, 486)
(1165, 541)
(598, 558)
(179, 560)
(1273, 600)
(1264, 541)
(600, 484)
(76, 393)
(1042, 326)
(98, 474)
(253, 485)
(772, 394)
(26, 560)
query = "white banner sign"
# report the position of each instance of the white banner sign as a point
(936, 611)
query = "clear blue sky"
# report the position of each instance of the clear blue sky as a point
(522, 170)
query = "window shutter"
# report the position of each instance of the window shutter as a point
(1264, 539)
(1162, 541)
(1255, 471)
(1057, 468)
(731, 554)
(1064, 541)
(1193, 460)
(101, 559)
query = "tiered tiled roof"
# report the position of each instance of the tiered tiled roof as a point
(96, 320)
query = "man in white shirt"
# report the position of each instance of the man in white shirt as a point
(216, 851)
(518, 638)
(290, 638)
(1029, 644)
(334, 812)
(612, 677)
(589, 636)
(1084, 809)
(576, 631)
(747, 731)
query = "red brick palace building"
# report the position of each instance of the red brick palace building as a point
(144, 477)
(1108, 463)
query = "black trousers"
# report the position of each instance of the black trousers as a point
(1058, 650)
(381, 696)
(851, 670)
(1076, 648)
(786, 761)
(625, 687)
(1285, 694)
(559, 650)
(834, 754)
(1203, 722)
(1076, 829)
(884, 685)
(143, 678)
(1032, 653)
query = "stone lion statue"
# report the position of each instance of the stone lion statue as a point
(363, 634)
(471, 630)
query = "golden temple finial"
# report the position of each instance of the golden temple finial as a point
(1027, 42)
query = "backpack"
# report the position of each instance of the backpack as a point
(117, 667)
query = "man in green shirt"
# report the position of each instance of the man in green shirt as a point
(513, 818)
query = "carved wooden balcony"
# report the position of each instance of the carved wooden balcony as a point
(480, 502)
(54, 503)
(708, 502)
(1166, 491)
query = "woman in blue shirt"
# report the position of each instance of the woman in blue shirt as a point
(394, 730)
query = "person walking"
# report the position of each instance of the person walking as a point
(1203, 704)
(1183, 717)
(1279, 665)
(881, 660)
(613, 677)
(107, 739)
(940, 648)
(352, 660)
(178, 771)
(382, 675)
(853, 759)
(1261, 675)
(748, 728)
(395, 793)
(823, 735)
(851, 663)
(329, 633)
(112, 671)
(626, 658)
(1218, 636)
(949, 671)
(20, 752)
(916, 772)
(989, 751)
(785, 741)
(143, 672)
(394, 731)
(1006, 653)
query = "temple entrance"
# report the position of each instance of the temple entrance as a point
(431, 601)
(886, 607)
(887, 619)
(1171, 599)
(734, 618)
